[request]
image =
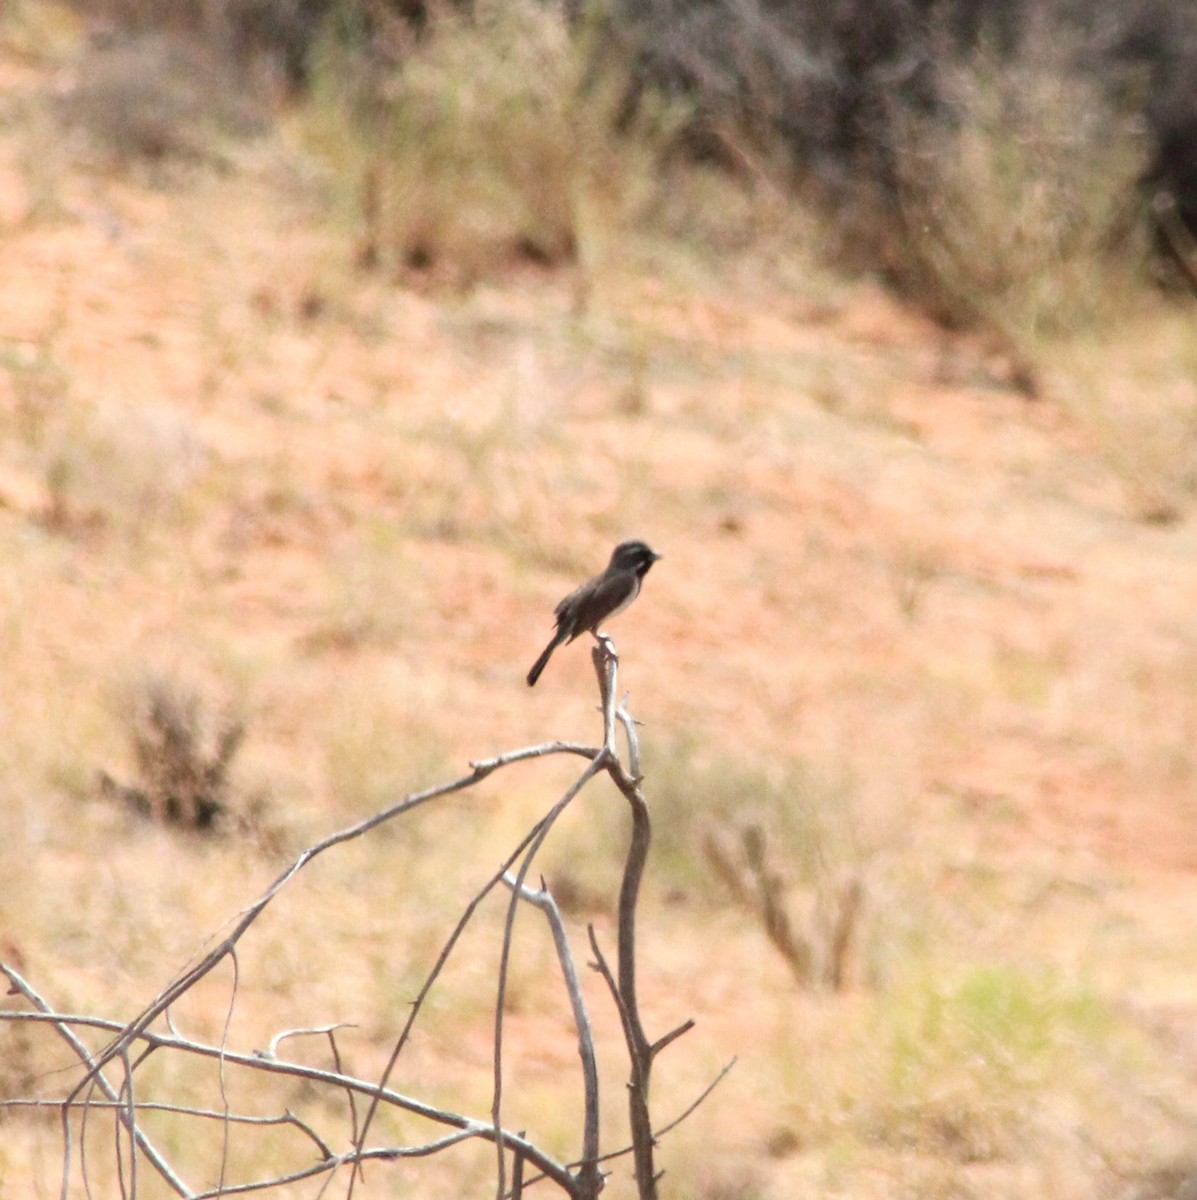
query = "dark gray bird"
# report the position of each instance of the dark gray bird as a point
(599, 599)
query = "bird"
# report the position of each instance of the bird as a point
(598, 599)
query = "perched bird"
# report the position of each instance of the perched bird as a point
(599, 598)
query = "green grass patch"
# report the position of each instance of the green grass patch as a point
(971, 1061)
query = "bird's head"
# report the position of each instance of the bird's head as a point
(633, 556)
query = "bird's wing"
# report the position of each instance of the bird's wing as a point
(598, 600)
(564, 605)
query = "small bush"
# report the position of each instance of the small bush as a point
(183, 759)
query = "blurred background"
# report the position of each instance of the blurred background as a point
(340, 339)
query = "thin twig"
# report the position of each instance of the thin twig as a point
(349, 1096)
(671, 1036)
(68, 1035)
(224, 1041)
(600, 965)
(337, 1161)
(589, 1178)
(316, 1075)
(542, 831)
(185, 1110)
(623, 1151)
(314, 1031)
(629, 724)
(426, 987)
(130, 1110)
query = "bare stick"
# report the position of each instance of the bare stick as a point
(68, 1035)
(606, 666)
(226, 1128)
(209, 1114)
(640, 1051)
(541, 832)
(438, 966)
(349, 1096)
(589, 1178)
(629, 724)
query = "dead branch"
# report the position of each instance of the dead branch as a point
(589, 1177)
(641, 1052)
(542, 832)
(154, 1032)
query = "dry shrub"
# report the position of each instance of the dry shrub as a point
(495, 141)
(155, 96)
(183, 757)
(1019, 203)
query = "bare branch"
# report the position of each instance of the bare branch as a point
(640, 1052)
(484, 766)
(337, 1161)
(629, 724)
(249, 915)
(315, 1031)
(186, 1110)
(128, 1121)
(600, 965)
(541, 832)
(317, 1075)
(350, 1098)
(589, 1179)
(606, 665)
(226, 1128)
(434, 974)
(672, 1125)
(132, 1043)
(68, 1035)
(671, 1036)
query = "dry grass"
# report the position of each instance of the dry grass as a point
(1131, 389)
(904, 621)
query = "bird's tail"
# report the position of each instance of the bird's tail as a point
(542, 662)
